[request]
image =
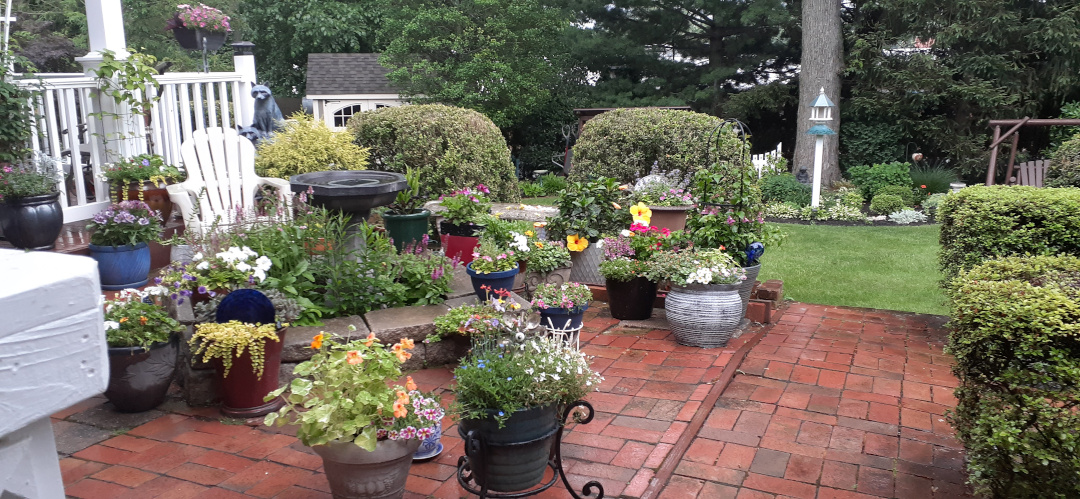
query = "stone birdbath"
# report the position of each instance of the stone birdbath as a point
(352, 192)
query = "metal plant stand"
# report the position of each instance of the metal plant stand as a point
(472, 467)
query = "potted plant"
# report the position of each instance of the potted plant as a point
(588, 211)
(199, 27)
(405, 220)
(510, 391)
(247, 358)
(142, 350)
(144, 178)
(666, 196)
(461, 228)
(205, 276)
(365, 430)
(492, 269)
(30, 213)
(631, 292)
(562, 305)
(514, 234)
(119, 238)
(703, 306)
(547, 262)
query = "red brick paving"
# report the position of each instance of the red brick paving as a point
(832, 402)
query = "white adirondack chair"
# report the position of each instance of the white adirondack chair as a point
(221, 178)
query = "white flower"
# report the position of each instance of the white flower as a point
(263, 263)
(624, 233)
(156, 291)
(202, 265)
(521, 243)
(110, 325)
(243, 267)
(259, 274)
(197, 256)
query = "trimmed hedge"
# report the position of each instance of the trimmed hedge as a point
(624, 143)
(979, 223)
(451, 147)
(1064, 169)
(1016, 339)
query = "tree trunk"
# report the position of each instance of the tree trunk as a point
(822, 61)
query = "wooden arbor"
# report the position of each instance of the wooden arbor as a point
(1031, 173)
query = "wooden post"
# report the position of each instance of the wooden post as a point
(991, 172)
(1012, 157)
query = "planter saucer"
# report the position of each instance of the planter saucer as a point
(431, 455)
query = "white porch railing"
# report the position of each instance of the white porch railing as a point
(71, 128)
(761, 161)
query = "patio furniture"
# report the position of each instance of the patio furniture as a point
(221, 179)
(1031, 173)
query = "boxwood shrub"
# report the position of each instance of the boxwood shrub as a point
(1064, 169)
(872, 178)
(624, 143)
(452, 147)
(980, 222)
(1016, 340)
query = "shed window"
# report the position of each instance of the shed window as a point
(341, 116)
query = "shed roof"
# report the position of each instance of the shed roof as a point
(347, 74)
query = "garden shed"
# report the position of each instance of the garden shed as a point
(340, 85)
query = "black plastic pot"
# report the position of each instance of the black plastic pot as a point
(631, 300)
(192, 39)
(516, 455)
(32, 222)
(139, 378)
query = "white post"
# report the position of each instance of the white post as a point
(819, 153)
(105, 27)
(244, 63)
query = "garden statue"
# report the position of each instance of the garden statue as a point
(268, 118)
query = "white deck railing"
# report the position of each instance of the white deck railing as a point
(71, 128)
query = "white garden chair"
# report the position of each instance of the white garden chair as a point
(221, 179)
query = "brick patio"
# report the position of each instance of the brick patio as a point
(829, 402)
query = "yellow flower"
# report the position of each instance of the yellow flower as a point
(316, 342)
(529, 233)
(640, 210)
(539, 244)
(575, 243)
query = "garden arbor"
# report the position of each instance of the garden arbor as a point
(1014, 132)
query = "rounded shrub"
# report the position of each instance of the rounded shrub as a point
(884, 204)
(452, 148)
(1064, 169)
(307, 145)
(785, 188)
(905, 192)
(872, 178)
(624, 143)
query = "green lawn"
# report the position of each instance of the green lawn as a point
(892, 268)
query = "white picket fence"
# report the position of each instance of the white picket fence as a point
(72, 129)
(760, 161)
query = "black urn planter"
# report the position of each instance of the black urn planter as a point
(631, 300)
(32, 222)
(139, 378)
(192, 39)
(516, 455)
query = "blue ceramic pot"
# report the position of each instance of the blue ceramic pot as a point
(556, 318)
(496, 280)
(122, 267)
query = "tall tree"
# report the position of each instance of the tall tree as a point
(822, 62)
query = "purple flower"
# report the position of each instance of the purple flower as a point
(157, 280)
(202, 290)
(144, 221)
(146, 162)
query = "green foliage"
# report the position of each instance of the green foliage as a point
(532, 189)
(499, 57)
(904, 191)
(883, 204)
(872, 178)
(571, 296)
(931, 203)
(1064, 169)
(15, 111)
(546, 256)
(590, 210)
(785, 188)
(980, 223)
(343, 393)
(32, 179)
(132, 322)
(623, 269)
(503, 232)
(935, 178)
(552, 184)
(467, 206)
(624, 144)
(706, 266)
(489, 257)
(454, 321)
(125, 81)
(308, 145)
(1060, 134)
(1016, 340)
(231, 340)
(409, 200)
(452, 148)
(138, 169)
(125, 223)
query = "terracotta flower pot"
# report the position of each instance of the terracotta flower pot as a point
(242, 391)
(669, 217)
(154, 195)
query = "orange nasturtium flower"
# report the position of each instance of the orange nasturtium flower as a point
(400, 410)
(316, 342)
(370, 339)
(575, 243)
(143, 320)
(410, 385)
(407, 343)
(624, 187)
(353, 357)
(539, 244)
(123, 320)
(400, 352)
(616, 205)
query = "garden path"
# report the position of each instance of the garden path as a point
(828, 402)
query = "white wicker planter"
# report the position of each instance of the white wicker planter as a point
(704, 315)
(586, 268)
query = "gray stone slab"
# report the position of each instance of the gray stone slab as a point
(461, 285)
(471, 299)
(657, 321)
(510, 211)
(392, 324)
(200, 386)
(297, 346)
(447, 351)
(106, 416)
(74, 437)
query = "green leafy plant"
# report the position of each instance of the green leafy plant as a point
(137, 319)
(343, 393)
(125, 81)
(466, 206)
(458, 320)
(906, 216)
(125, 223)
(507, 233)
(546, 256)
(15, 128)
(552, 184)
(623, 269)
(785, 188)
(425, 276)
(883, 204)
(532, 189)
(488, 257)
(871, 178)
(452, 148)
(931, 203)
(906, 193)
(1064, 169)
(138, 169)
(307, 145)
(705, 266)
(1015, 328)
(408, 201)
(590, 210)
(936, 179)
(25, 180)
(230, 340)
(571, 296)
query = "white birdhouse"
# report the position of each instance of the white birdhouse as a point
(821, 108)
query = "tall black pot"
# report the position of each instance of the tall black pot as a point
(139, 378)
(32, 222)
(631, 300)
(517, 454)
